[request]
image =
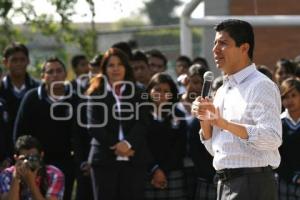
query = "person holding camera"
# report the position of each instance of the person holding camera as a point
(29, 178)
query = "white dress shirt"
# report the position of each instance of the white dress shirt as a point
(252, 100)
(118, 104)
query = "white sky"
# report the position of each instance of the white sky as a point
(106, 10)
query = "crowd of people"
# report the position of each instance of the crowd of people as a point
(125, 129)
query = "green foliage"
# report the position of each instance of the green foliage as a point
(5, 7)
(164, 36)
(63, 31)
(161, 12)
(129, 22)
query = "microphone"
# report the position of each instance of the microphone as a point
(208, 78)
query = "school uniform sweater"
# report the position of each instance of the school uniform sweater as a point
(52, 123)
(13, 101)
(289, 168)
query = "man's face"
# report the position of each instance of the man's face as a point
(181, 68)
(54, 74)
(156, 65)
(228, 57)
(16, 64)
(141, 71)
(82, 67)
(31, 157)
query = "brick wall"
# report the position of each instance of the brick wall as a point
(272, 43)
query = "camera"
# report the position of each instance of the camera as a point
(33, 161)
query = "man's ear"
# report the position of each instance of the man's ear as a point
(42, 154)
(245, 48)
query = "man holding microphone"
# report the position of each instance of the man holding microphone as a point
(241, 128)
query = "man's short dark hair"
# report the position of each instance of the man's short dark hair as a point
(288, 65)
(138, 55)
(96, 61)
(51, 60)
(125, 47)
(265, 70)
(200, 60)
(158, 54)
(13, 48)
(76, 60)
(197, 69)
(27, 142)
(240, 31)
(184, 59)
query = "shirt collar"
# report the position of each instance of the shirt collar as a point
(19, 90)
(42, 94)
(239, 77)
(109, 88)
(7, 83)
(286, 114)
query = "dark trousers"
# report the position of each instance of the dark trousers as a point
(84, 187)
(122, 181)
(252, 186)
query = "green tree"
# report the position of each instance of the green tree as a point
(161, 12)
(63, 31)
(7, 30)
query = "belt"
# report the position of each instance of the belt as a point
(226, 174)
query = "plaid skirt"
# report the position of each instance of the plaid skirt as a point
(205, 190)
(174, 191)
(288, 191)
(190, 182)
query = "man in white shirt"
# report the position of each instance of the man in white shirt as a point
(241, 128)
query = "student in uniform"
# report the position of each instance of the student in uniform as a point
(47, 113)
(119, 152)
(14, 86)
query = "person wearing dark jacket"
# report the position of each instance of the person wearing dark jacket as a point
(119, 152)
(166, 138)
(205, 188)
(199, 171)
(82, 139)
(14, 86)
(47, 113)
(3, 118)
(289, 168)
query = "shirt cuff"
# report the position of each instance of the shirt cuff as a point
(128, 144)
(202, 139)
(251, 134)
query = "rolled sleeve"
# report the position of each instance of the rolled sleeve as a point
(207, 143)
(266, 131)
